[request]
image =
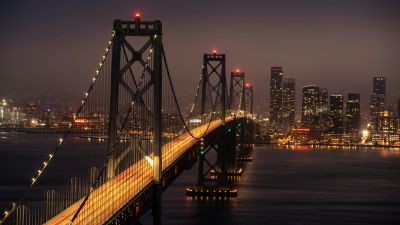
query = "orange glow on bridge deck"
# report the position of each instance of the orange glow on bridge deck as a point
(107, 199)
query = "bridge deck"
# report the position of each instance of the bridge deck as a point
(107, 199)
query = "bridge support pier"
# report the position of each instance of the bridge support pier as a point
(245, 142)
(227, 157)
(202, 153)
(157, 204)
(215, 181)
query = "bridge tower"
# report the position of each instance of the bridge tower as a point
(236, 91)
(214, 91)
(152, 32)
(249, 98)
(213, 83)
(246, 132)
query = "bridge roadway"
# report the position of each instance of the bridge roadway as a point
(107, 199)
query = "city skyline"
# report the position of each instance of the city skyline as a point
(156, 112)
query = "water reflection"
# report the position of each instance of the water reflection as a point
(300, 185)
(283, 185)
(382, 150)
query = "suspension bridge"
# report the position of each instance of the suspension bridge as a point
(130, 138)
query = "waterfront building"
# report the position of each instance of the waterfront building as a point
(336, 113)
(353, 116)
(378, 99)
(275, 97)
(288, 103)
(309, 105)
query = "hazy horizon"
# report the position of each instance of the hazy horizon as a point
(52, 48)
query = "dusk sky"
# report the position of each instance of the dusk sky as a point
(51, 48)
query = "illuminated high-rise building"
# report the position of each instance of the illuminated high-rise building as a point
(379, 85)
(386, 122)
(377, 105)
(315, 108)
(323, 101)
(288, 103)
(323, 120)
(336, 113)
(378, 99)
(275, 97)
(310, 101)
(386, 128)
(353, 113)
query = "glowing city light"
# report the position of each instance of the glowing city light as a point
(301, 129)
(365, 133)
(149, 160)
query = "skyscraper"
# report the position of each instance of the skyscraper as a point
(336, 113)
(323, 120)
(353, 113)
(323, 101)
(377, 105)
(379, 85)
(275, 96)
(386, 122)
(378, 99)
(310, 100)
(315, 108)
(288, 103)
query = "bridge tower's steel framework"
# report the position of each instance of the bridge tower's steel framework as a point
(152, 30)
(247, 132)
(249, 97)
(217, 88)
(214, 66)
(236, 91)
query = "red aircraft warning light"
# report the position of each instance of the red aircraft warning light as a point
(214, 51)
(247, 85)
(237, 70)
(137, 16)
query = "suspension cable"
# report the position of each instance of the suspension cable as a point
(109, 155)
(65, 135)
(177, 105)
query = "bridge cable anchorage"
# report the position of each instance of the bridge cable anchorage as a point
(177, 104)
(46, 163)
